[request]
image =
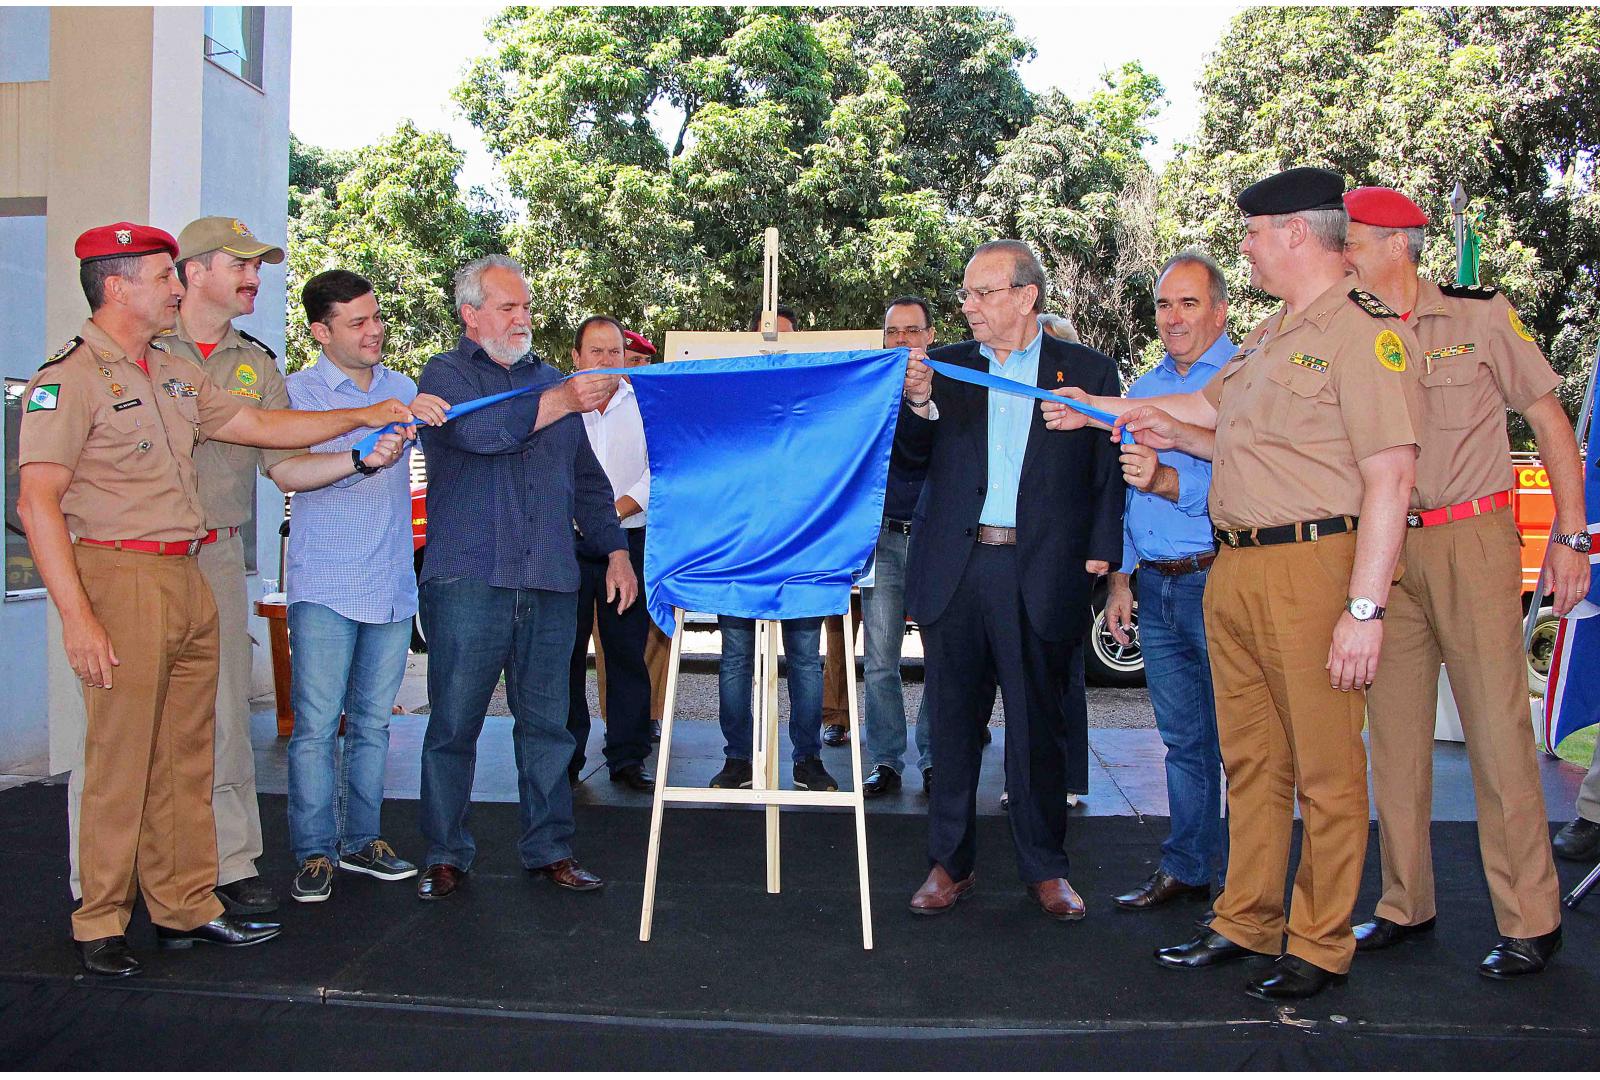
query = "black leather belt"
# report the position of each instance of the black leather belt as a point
(902, 527)
(1286, 534)
(1189, 564)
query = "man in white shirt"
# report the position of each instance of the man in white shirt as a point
(616, 433)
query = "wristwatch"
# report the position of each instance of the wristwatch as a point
(361, 466)
(1578, 541)
(1363, 610)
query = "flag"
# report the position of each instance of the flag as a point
(767, 478)
(1467, 258)
(1572, 692)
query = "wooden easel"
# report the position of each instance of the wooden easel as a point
(765, 739)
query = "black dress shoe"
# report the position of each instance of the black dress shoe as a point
(1379, 933)
(439, 881)
(927, 780)
(108, 956)
(882, 780)
(223, 930)
(1578, 840)
(1161, 888)
(247, 896)
(835, 735)
(1514, 956)
(1204, 951)
(1290, 978)
(634, 776)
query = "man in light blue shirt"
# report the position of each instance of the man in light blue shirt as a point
(352, 593)
(1167, 536)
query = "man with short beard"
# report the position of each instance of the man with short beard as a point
(499, 583)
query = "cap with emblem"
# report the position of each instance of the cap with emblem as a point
(123, 240)
(638, 343)
(224, 234)
(1383, 207)
(1293, 190)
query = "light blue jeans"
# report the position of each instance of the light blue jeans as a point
(354, 668)
(883, 622)
(802, 654)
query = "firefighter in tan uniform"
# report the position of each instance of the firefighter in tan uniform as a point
(1460, 599)
(1312, 437)
(110, 501)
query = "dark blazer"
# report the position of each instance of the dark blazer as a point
(1069, 501)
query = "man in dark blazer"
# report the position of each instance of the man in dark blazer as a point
(1013, 525)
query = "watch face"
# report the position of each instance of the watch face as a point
(1362, 608)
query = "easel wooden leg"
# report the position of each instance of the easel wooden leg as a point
(663, 757)
(768, 690)
(858, 804)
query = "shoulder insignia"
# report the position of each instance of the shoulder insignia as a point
(157, 343)
(1391, 351)
(1517, 327)
(61, 353)
(258, 343)
(1470, 292)
(1372, 305)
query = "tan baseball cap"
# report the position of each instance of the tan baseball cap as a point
(224, 234)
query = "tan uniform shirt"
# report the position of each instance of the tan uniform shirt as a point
(129, 438)
(248, 371)
(1301, 403)
(1478, 359)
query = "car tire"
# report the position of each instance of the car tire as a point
(1105, 662)
(419, 640)
(1540, 650)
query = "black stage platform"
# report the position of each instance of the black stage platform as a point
(514, 973)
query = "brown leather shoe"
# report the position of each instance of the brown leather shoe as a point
(438, 881)
(940, 892)
(1059, 899)
(569, 875)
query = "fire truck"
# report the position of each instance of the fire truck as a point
(1108, 663)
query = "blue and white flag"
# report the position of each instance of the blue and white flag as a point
(1572, 693)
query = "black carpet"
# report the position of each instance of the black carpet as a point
(514, 973)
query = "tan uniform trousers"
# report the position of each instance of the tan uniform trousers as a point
(233, 795)
(145, 820)
(835, 703)
(1459, 602)
(1269, 615)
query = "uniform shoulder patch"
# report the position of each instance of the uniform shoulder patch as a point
(61, 353)
(1470, 292)
(1372, 305)
(1390, 350)
(258, 343)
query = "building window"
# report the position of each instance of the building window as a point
(21, 575)
(234, 37)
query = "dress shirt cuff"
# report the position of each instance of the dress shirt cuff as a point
(640, 492)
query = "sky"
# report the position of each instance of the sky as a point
(357, 71)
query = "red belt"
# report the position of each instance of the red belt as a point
(1419, 519)
(164, 547)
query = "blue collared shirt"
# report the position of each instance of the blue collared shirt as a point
(350, 542)
(1154, 527)
(1010, 418)
(503, 498)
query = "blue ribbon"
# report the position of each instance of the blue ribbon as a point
(950, 371)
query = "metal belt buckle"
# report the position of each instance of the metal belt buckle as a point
(1230, 537)
(194, 546)
(1413, 519)
(1311, 531)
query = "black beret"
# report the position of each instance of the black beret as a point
(1293, 190)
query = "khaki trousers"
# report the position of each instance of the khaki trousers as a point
(835, 699)
(1269, 615)
(145, 819)
(1459, 603)
(233, 795)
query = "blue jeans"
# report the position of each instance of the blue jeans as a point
(883, 622)
(802, 651)
(354, 668)
(1172, 635)
(475, 632)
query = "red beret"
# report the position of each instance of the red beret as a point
(122, 240)
(638, 343)
(1383, 207)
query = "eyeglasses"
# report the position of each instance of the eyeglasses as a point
(963, 295)
(895, 331)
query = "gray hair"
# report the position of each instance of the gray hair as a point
(92, 276)
(1415, 238)
(469, 279)
(1195, 257)
(1026, 269)
(1328, 226)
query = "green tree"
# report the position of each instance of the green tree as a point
(391, 212)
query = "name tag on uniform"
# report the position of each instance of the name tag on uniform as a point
(1311, 362)
(129, 404)
(1450, 350)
